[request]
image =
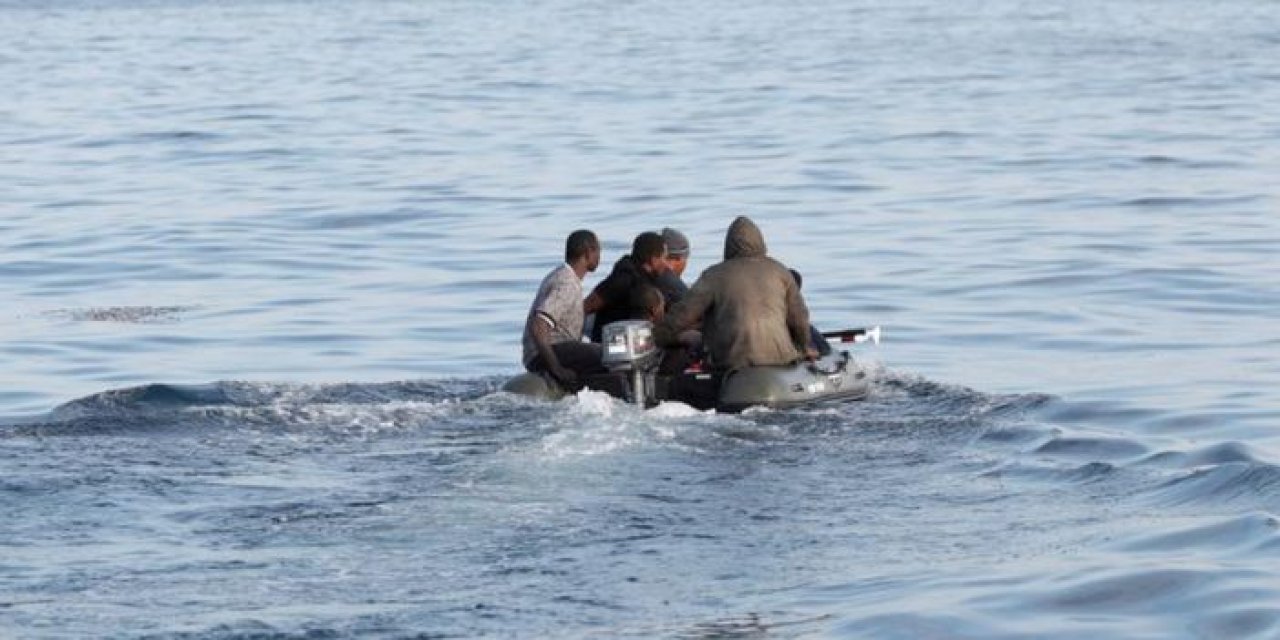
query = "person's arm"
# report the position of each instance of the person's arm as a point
(613, 291)
(798, 320)
(673, 289)
(687, 314)
(593, 303)
(605, 293)
(541, 330)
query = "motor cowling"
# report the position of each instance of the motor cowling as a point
(629, 348)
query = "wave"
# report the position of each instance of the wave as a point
(187, 408)
(1246, 534)
(1193, 600)
(1223, 485)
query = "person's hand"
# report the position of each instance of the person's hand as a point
(810, 354)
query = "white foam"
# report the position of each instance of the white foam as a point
(677, 410)
(594, 403)
(595, 423)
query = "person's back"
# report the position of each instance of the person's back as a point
(751, 310)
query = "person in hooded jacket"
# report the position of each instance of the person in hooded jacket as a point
(749, 306)
(610, 301)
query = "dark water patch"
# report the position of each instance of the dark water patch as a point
(1187, 163)
(177, 136)
(1178, 202)
(1246, 621)
(150, 137)
(264, 116)
(1187, 422)
(1094, 447)
(941, 135)
(751, 625)
(1054, 475)
(370, 220)
(1149, 591)
(78, 203)
(1210, 455)
(126, 315)
(831, 186)
(1109, 413)
(250, 629)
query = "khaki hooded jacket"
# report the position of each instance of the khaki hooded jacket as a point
(749, 306)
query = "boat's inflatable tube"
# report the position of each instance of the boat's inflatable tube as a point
(833, 378)
(534, 385)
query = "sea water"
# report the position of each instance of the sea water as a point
(265, 265)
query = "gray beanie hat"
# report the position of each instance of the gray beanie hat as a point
(677, 244)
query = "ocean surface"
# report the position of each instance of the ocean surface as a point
(264, 266)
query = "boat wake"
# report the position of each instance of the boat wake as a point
(897, 402)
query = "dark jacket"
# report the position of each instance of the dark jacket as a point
(615, 292)
(672, 287)
(750, 307)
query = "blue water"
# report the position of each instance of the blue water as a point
(265, 264)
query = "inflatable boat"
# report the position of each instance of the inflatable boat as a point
(631, 359)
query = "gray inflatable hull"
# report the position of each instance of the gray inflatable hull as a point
(833, 378)
(534, 385)
(836, 377)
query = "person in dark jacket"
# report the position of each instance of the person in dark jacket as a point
(610, 301)
(749, 306)
(647, 303)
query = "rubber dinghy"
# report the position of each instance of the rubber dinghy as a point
(632, 358)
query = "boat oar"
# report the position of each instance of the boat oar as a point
(855, 335)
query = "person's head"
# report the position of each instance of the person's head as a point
(649, 252)
(677, 250)
(582, 247)
(647, 303)
(744, 240)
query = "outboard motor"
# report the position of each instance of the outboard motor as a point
(629, 349)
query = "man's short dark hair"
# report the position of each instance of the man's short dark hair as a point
(648, 245)
(579, 243)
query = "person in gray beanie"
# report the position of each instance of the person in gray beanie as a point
(669, 283)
